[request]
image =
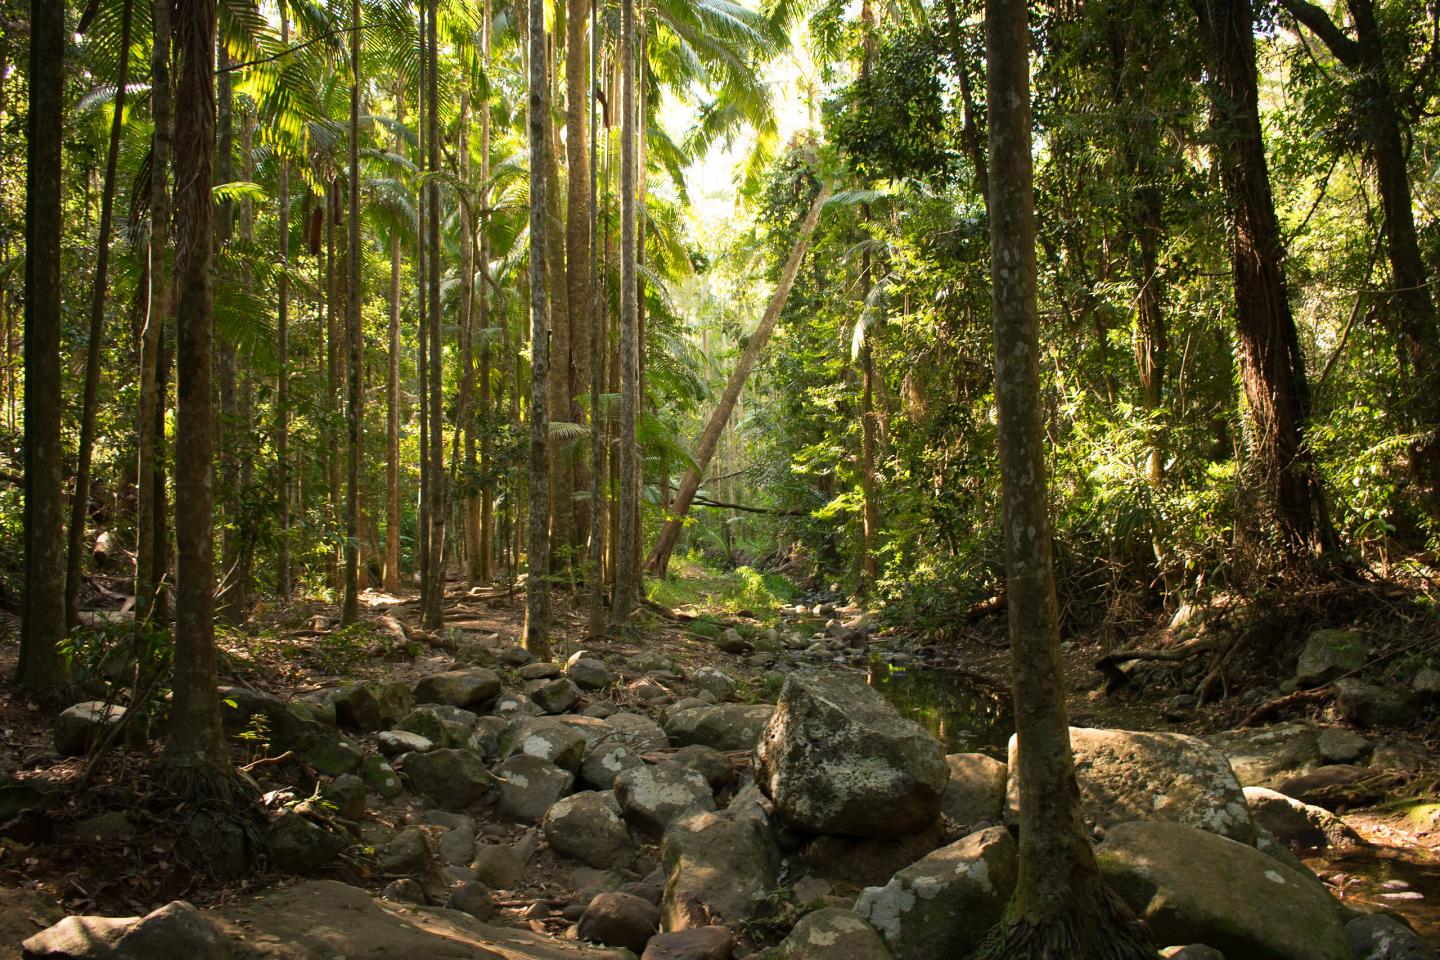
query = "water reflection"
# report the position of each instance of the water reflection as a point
(1403, 880)
(964, 712)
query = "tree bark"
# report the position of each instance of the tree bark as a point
(471, 505)
(350, 607)
(578, 265)
(229, 602)
(42, 624)
(1060, 907)
(390, 581)
(627, 586)
(433, 618)
(282, 361)
(659, 558)
(537, 589)
(487, 416)
(80, 502)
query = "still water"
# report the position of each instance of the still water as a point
(966, 713)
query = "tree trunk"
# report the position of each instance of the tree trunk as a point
(595, 353)
(391, 573)
(1060, 907)
(562, 527)
(487, 416)
(471, 506)
(1271, 366)
(422, 310)
(350, 608)
(537, 589)
(282, 360)
(149, 568)
(432, 616)
(42, 623)
(579, 213)
(229, 603)
(659, 559)
(195, 750)
(627, 586)
(80, 503)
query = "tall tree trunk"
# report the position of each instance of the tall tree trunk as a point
(1271, 366)
(537, 588)
(80, 503)
(627, 587)
(195, 750)
(391, 574)
(1060, 907)
(659, 559)
(432, 617)
(487, 488)
(149, 567)
(42, 622)
(422, 311)
(282, 361)
(228, 602)
(579, 215)
(562, 527)
(596, 349)
(350, 608)
(471, 507)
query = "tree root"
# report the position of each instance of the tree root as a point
(1115, 678)
(1109, 933)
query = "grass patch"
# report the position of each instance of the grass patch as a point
(693, 583)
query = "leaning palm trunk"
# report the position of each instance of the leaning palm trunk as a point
(659, 559)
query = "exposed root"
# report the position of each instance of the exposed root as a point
(1115, 678)
(222, 830)
(1110, 933)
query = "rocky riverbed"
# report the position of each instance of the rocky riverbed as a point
(727, 791)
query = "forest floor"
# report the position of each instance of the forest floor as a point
(109, 850)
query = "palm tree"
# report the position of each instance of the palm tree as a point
(537, 588)
(627, 576)
(350, 609)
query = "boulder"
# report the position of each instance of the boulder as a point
(854, 862)
(440, 723)
(485, 738)
(710, 763)
(557, 696)
(499, 865)
(314, 742)
(636, 730)
(239, 706)
(588, 673)
(837, 758)
(1379, 936)
(393, 743)
(1191, 885)
(298, 845)
(715, 680)
(1127, 775)
(407, 852)
(1426, 684)
(346, 793)
(726, 726)
(1329, 655)
(381, 777)
(546, 738)
(1296, 824)
(529, 786)
(1399, 754)
(619, 920)
(1340, 745)
(730, 641)
(655, 795)
(587, 827)
(371, 706)
(606, 760)
(1268, 756)
(1194, 951)
(1369, 705)
(942, 905)
(1338, 784)
(176, 931)
(542, 670)
(833, 933)
(471, 687)
(717, 870)
(78, 728)
(975, 793)
(404, 890)
(699, 943)
(472, 897)
(452, 779)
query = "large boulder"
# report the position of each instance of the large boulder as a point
(833, 933)
(78, 728)
(1191, 886)
(976, 791)
(837, 758)
(717, 870)
(619, 920)
(1297, 824)
(471, 687)
(1369, 705)
(1269, 756)
(1378, 936)
(587, 827)
(176, 931)
(654, 796)
(529, 786)
(452, 779)
(557, 696)
(314, 742)
(727, 726)
(299, 845)
(942, 905)
(1129, 775)
(1329, 655)
(544, 737)
(371, 706)
(606, 760)
(440, 723)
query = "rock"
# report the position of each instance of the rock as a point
(1405, 756)
(730, 641)
(1426, 684)
(699, 943)
(833, 934)
(1129, 775)
(716, 681)
(471, 687)
(1297, 824)
(78, 938)
(113, 826)
(453, 779)
(78, 728)
(587, 827)
(239, 706)
(381, 777)
(1191, 885)
(22, 913)
(857, 862)
(605, 761)
(176, 931)
(976, 790)
(1339, 745)
(546, 738)
(457, 845)
(404, 890)
(811, 891)
(1378, 936)
(837, 758)
(297, 845)
(392, 743)
(347, 794)
(1328, 655)
(440, 723)
(654, 796)
(315, 743)
(513, 705)
(499, 865)
(588, 673)
(557, 696)
(636, 730)
(1268, 756)
(619, 920)
(407, 852)
(711, 764)
(529, 786)
(1324, 784)
(1367, 705)
(717, 869)
(1181, 707)
(472, 897)
(371, 706)
(515, 657)
(485, 738)
(944, 904)
(542, 670)
(1195, 951)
